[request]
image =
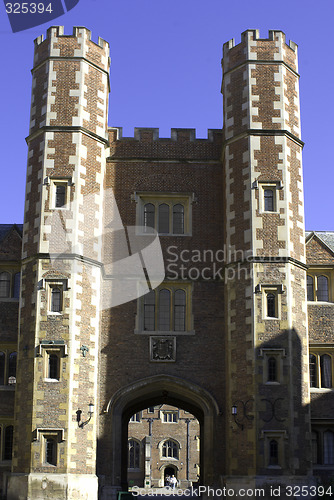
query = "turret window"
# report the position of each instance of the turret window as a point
(269, 200)
(56, 299)
(271, 305)
(60, 195)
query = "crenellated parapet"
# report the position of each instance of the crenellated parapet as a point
(252, 47)
(79, 44)
(271, 99)
(182, 144)
(70, 82)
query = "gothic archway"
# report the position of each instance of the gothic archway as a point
(152, 391)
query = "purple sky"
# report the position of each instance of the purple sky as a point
(166, 73)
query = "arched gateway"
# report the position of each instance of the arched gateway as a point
(151, 391)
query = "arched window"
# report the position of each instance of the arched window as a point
(268, 200)
(16, 292)
(180, 311)
(149, 311)
(149, 217)
(271, 305)
(164, 309)
(328, 448)
(164, 218)
(310, 288)
(55, 300)
(178, 219)
(322, 292)
(4, 285)
(60, 195)
(53, 366)
(8, 443)
(12, 361)
(133, 454)
(326, 371)
(273, 452)
(313, 370)
(272, 369)
(170, 449)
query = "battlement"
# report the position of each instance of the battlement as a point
(254, 35)
(145, 134)
(77, 45)
(252, 47)
(58, 31)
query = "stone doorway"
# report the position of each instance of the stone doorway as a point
(159, 389)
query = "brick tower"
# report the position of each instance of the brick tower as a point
(59, 326)
(266, 327)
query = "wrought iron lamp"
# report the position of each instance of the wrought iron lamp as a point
(90, 413)
(244, 413)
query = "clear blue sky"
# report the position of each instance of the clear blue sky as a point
(166, 73)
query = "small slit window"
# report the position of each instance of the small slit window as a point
(271, 305)
(53, 366)
(273, 452)
(60, 200)
(269, 199)
(272, 369)
(50, 451)
(56, 299)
